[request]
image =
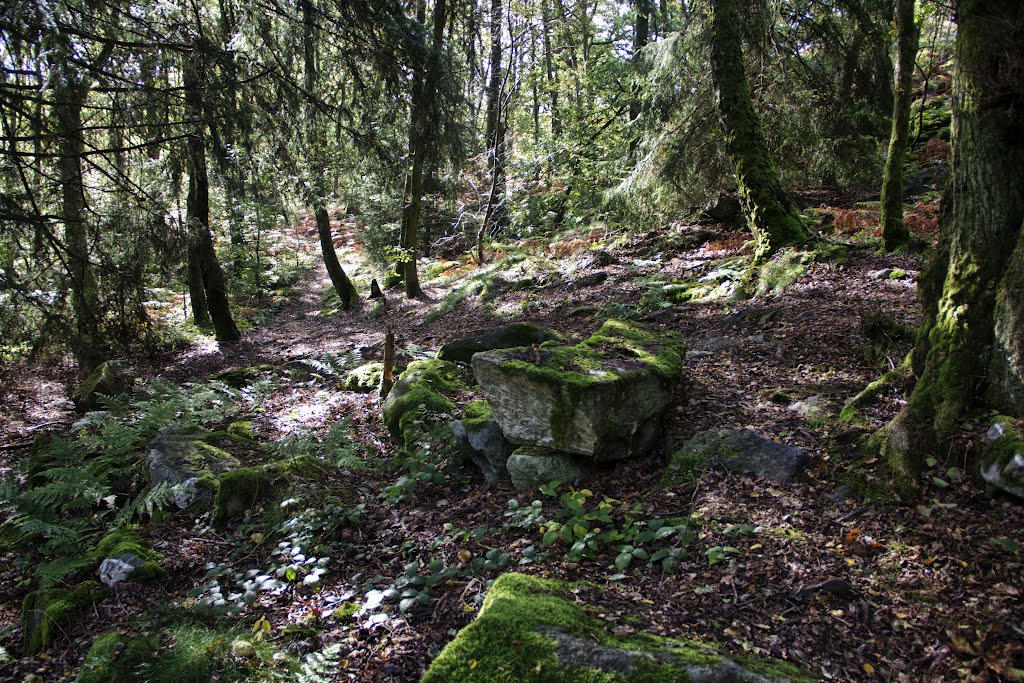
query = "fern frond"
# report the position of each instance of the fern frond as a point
(147, 504)
(319, 666)
(54, 572)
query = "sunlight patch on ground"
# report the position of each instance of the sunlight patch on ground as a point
(303, 411)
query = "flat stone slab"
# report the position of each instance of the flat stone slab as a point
(511, 336)
(738, 450)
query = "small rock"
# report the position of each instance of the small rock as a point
(243, 649)
(486, 446)
(810, 407)
(530, 467)
(995, 432)
(739, 450)
(880, 274)
(114, 570)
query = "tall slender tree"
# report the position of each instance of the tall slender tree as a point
(894, 232)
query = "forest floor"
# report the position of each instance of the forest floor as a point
(927, 590)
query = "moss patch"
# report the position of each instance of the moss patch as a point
(365, 378)
(239, 490)
(476, 416)
(115, 658)
(46, 615)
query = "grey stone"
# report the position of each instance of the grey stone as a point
(530, 467)
(508, 337)
(880, 274)
(741, 450)
(114, 570)
(106, 380)
(486, 446)
(175, 459)
(810, 407)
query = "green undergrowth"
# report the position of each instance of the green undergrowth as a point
(185, 653)
(481, 282)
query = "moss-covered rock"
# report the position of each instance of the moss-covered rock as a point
(106, 380)
(509, 337)
(365, 378)
(531, 629)
(182, 461)
(115, 553)
(421, 391)
(239, 490)
(1002, 456)
(238, 378)
(602, 399)
(48, 614)
(482, 440)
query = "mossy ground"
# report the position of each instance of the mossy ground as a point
(48, 614)
(187, 653)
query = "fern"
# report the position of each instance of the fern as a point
(54, 572)
(320, 666)
(147, 504)
(333, 365)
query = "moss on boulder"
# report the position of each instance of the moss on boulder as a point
(531, 629)
(239, 490)
(121, 545)
(48, 614)
(602, 398)
(115, 658)
(106, 380)
(423, 389)
(366, 378)
(238, 378)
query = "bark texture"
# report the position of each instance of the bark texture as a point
(894, 232)
(769, 213)
(204, 265)
(969, 346)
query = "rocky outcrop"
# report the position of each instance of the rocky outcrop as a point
(602, 399)
(736, 450)
(511, 336)
(534, 629)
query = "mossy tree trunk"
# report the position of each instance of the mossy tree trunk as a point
(769, 213)
(970, 344)
(204, 266)
(894, 232)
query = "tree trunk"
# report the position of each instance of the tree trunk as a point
(422, 118)
(549, 67)
(894, 232)
(496, 217)
(342, 284)
(970, 343)
(203, 262)
(316, 193)
(641, 34)
(770, 215)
